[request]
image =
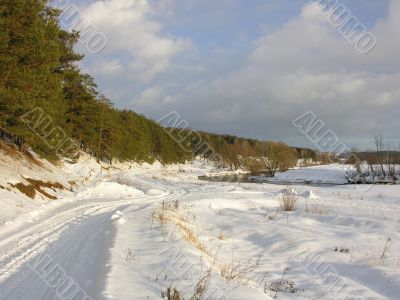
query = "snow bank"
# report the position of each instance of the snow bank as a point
(329, 174)
(110, 190)
(309, 194)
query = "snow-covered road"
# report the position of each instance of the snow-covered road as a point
(76, 235)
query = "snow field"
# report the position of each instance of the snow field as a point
(135, 231)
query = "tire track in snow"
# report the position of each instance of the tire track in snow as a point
(19, 247)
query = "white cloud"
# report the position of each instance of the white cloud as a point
(131, 30)
(305, 65)
(108, 68)
(149, 97)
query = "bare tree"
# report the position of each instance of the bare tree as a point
(380, 145)
(278, 156)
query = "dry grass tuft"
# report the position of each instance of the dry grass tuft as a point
(317, 209)
(34, 186)
(288, 201)
(28, 190)
(170, 294)
(270, 216)
(202, 286)
(169, 214)
(9, 150)
(72, 183)
(238, 271)
(28, 155)
(221, 236)
(12, 151)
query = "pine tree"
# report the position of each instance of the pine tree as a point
(81, 114)
(106, 130)
(29, 59)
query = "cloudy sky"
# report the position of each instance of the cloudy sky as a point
(250, 67)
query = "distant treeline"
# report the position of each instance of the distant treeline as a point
(46, 99)
(375, 157)
(242, 153)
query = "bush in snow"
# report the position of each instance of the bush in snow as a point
(288, 198)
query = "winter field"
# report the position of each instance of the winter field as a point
(153, 232)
